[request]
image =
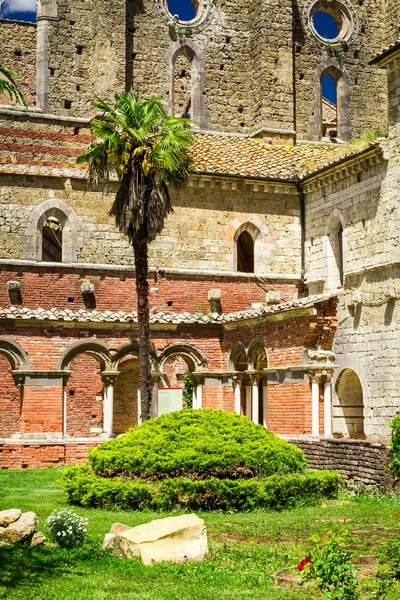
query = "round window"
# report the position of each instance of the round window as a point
(184, 10)
(189, 14)
(331, 20)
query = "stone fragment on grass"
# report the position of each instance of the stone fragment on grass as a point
(9, 516)
(37, 539)
(119, 528)
(22, 529)
(108, 542)
(174, 539)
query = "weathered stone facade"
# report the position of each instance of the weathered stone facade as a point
(321, 220)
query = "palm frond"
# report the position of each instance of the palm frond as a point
(8, 85)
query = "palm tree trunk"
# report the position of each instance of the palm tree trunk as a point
(140, 249)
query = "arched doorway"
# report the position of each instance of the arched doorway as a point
(350, 395)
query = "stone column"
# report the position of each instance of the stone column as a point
(328, 405)
(155, 380)
(198, 382)
(255, 413)
(315, 380)
(46, 12)
(65, 377)
(108, 378)
(248, 401)
(237, 381)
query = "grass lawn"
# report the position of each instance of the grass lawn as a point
(245, 549)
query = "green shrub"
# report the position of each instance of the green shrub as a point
(199, 444)
(395, 447)
(277, 492)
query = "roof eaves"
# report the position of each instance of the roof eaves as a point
(381, 60)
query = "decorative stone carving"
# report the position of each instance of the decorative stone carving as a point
(13, 286)
(321, 357)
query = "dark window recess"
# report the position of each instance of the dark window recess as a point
(79, 49)
(228, 40)
(52, 71)
(78, 88)
(169, 302)
(52, 238)
(76, 130)
(71, 299)
(18, 52)
(245, 253)
(67, 104)
(71, 392)
(240, 109)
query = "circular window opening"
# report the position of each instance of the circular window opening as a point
(327, 25)
(185, 10)
(331, 20)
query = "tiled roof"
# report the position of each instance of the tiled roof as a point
(255, 158)
(386, 52)
(28, 151)
(95, 316)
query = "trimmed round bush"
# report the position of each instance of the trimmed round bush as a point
(197, 444)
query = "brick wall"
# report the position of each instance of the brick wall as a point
(20, 456)
(126, 396)
(84, 397)
(10, 400)
(359, 463)
(289, 408)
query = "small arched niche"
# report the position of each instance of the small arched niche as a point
(351, 403)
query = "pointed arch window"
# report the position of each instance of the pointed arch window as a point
(335, 253)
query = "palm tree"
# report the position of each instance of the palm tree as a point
(148, 152)
(7, 85)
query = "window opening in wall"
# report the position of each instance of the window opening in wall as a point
(182, 91)
(245, 253)
(52, 240)
(335, 254)
(327, 24)
(329, 107)
(186, 10)
(19, 11)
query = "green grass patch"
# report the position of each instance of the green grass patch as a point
(245, 549)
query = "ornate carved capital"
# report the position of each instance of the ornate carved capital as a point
(108, 377)
(320, 376)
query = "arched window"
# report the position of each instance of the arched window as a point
(182, 88)
(245, 253)
(335, 253)
(52, 240)
(53, 233)
(351, 404)
(329, 107)
(332, 102)
(186, 74)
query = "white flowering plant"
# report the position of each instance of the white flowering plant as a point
(67, 528)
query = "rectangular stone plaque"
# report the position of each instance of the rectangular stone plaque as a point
(169, 400)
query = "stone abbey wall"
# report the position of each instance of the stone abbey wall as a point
(18, 53)
(368, 338)
(264, 58)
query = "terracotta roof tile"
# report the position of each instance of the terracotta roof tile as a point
(107, 316)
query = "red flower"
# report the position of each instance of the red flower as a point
(396, 514)
(345, 521)
(303, 563)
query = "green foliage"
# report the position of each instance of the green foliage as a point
(148, 151)
(334, 51)
(277, 492)
(395, 447)
(188, 390)
(329, 566)
(201, 444)
(66, 528)
(389, 569)
(10, 87)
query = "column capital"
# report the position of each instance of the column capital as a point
(320, 375)
(255, 376)
(108, 377)
(238, 379)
